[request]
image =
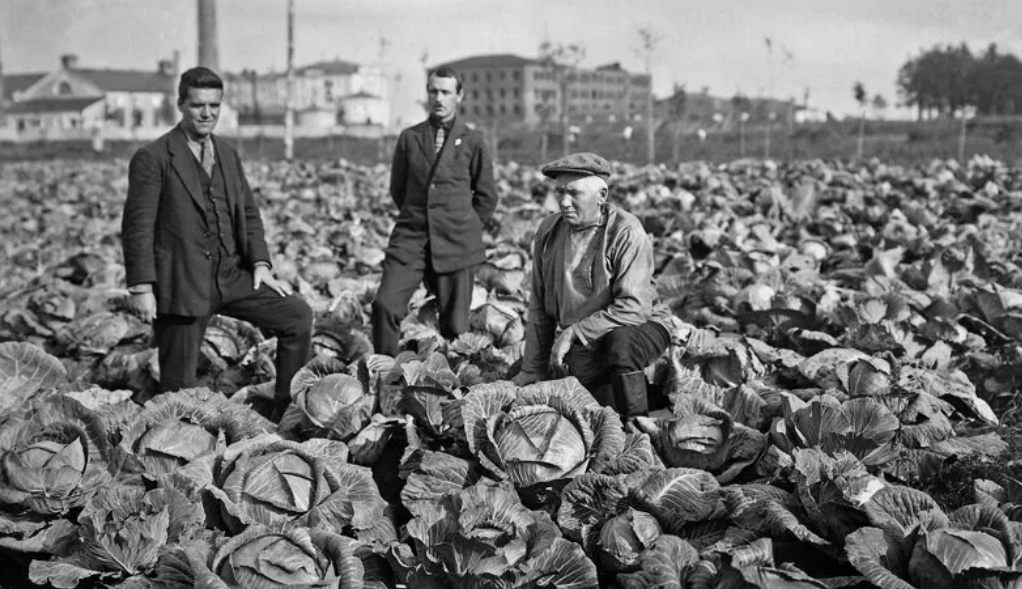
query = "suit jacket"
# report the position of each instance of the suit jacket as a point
(445, 213)
(165, 235)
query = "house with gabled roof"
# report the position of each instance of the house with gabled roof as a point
(74, 102)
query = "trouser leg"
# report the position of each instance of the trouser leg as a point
(390, 306)
(590, 368)
(453, 291)
(289, 319)
(629, 351)
(178, 339)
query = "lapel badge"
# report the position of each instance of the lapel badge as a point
(457, 142)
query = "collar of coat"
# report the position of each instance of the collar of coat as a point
(182, 160)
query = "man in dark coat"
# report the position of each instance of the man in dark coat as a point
(194, 245)
(442, 184)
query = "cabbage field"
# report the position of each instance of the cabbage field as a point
(837, 407)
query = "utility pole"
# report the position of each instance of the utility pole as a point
(649, 38)
(289, 114)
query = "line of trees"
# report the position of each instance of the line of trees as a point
(947, 79)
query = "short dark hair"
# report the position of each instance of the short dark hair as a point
(446, 72)
(198, 77)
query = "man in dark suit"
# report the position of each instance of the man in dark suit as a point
(194, 245)
(442, 184)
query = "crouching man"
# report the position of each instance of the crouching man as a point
(592, 309)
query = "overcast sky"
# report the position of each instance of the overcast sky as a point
(718, 44)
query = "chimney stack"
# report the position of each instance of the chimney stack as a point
(69, 61)
(209, 49)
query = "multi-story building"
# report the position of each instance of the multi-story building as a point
(507, 88)
(329, 86)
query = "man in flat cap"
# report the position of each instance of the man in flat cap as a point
(593, 302)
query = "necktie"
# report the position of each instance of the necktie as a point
(440, 136)
(207, 156)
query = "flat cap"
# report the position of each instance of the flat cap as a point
(583, 164)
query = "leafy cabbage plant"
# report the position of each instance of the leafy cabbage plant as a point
(862, 426)
(544, 433)
(277, 482)
(122, 531)
(25, 370)
(327, 402)
(53, 457)
(482, 538)
(912, 543)
(624, 538)
(266, 558)
(174, 429)
(704, 436)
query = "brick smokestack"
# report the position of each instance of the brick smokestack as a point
(209, 48)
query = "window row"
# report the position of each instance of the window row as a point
(488, 110)
(502, 93)
(490, 75)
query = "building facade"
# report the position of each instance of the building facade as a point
(328, 86)
(506, 89)
(73, 100)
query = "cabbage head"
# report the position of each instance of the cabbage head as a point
(174, 429)
(483, 537)
(268, 559)
(328, 402)
(624, 538)
(540, 434)
(53, 457)
(276, 482)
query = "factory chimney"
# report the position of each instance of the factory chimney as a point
(209, 48)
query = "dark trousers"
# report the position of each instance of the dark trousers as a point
(179, 338)
(453, 292)
(622, 351)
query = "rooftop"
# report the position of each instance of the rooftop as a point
(336, 67)
(125, 80)
(52, 105)
(18, 82)
(489, 61)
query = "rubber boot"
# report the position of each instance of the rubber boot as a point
(630, 398)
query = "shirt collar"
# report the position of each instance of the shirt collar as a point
(195, 145)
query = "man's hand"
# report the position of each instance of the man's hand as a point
(143, 306)
(561, 346)
(525, 378)
(262, 275)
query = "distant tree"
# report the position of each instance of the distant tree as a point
(879, 106)
(996, 83)
(939, 82)
(860, 94)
